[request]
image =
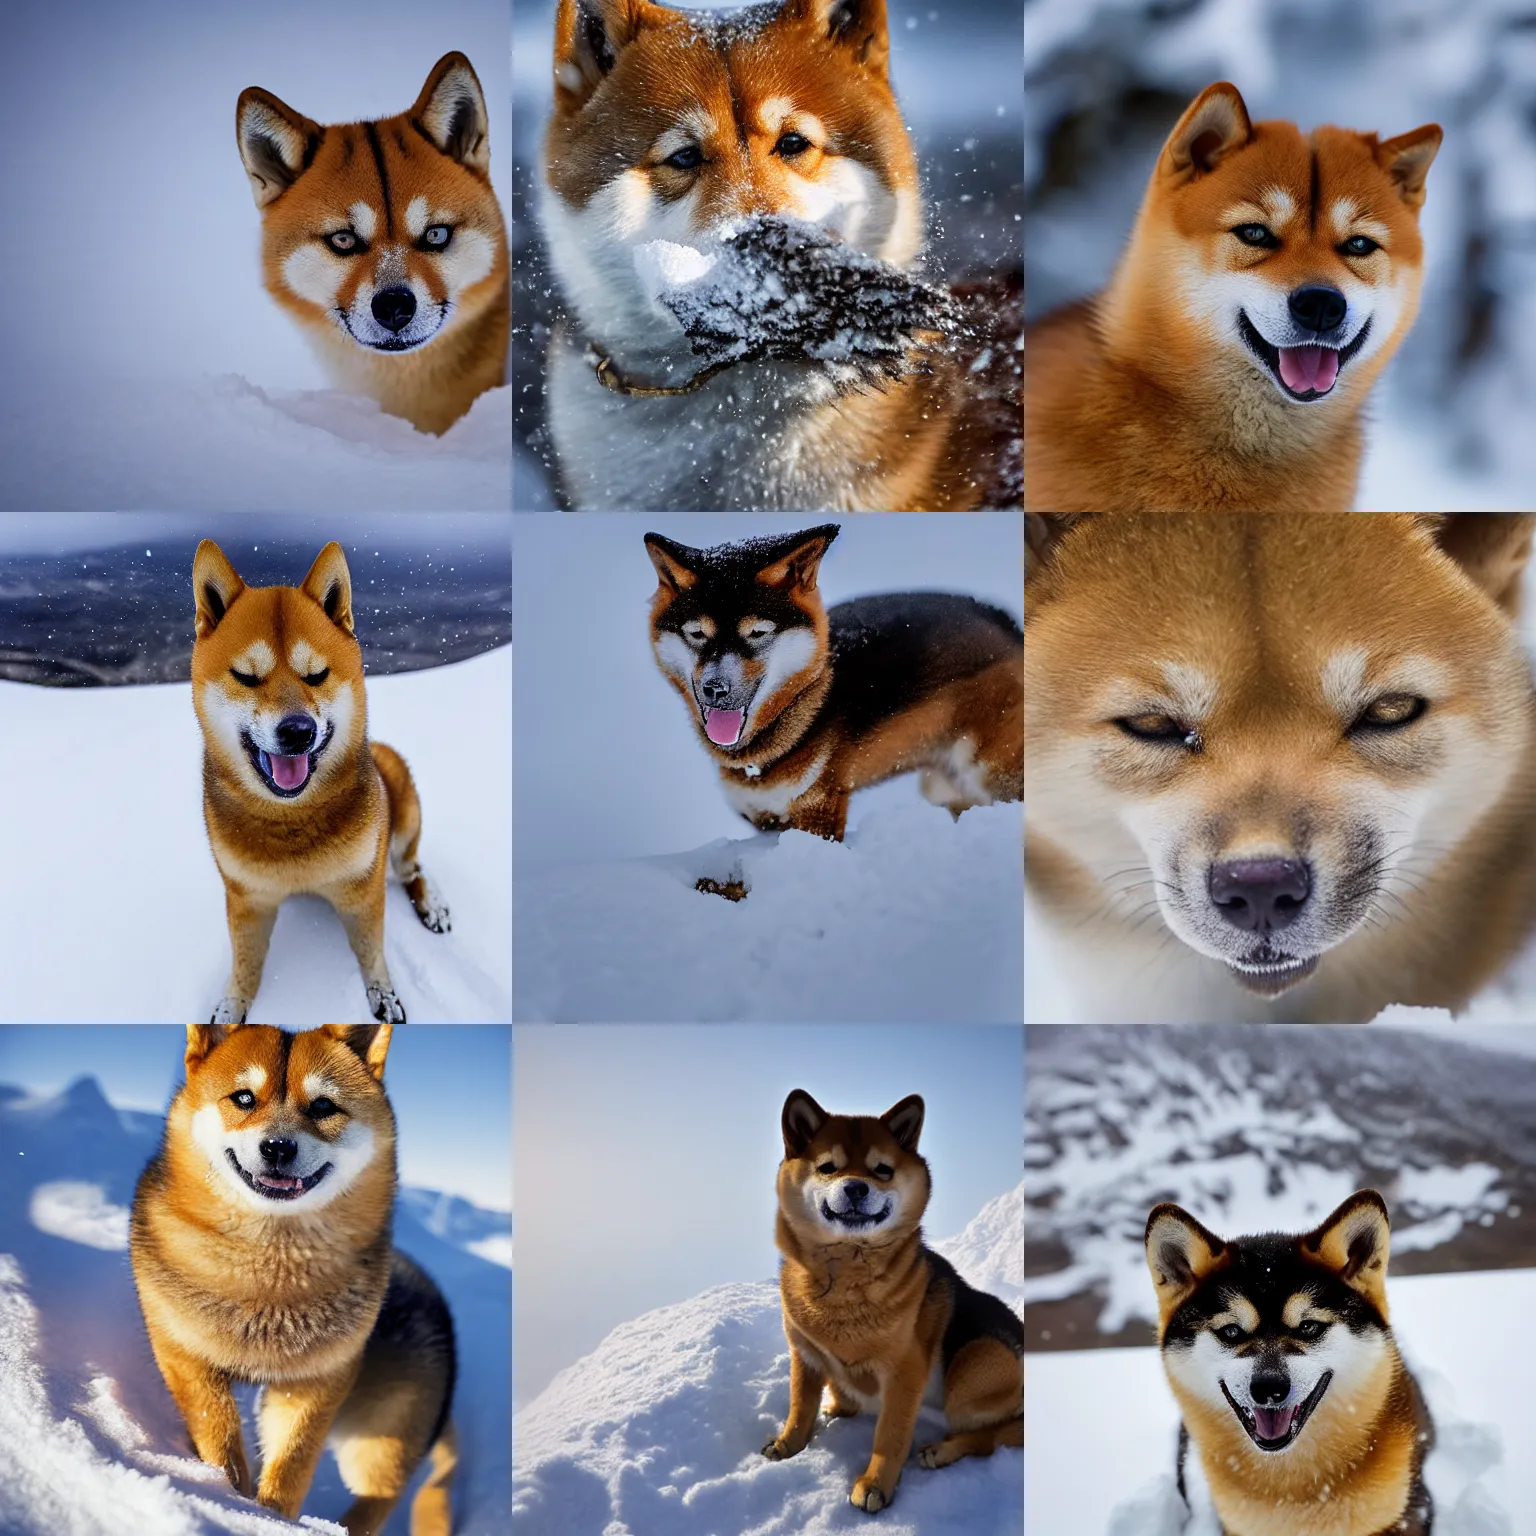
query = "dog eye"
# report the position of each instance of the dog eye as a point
(760, 631)
(883, 1170)
(314, 679)
(791, 144)
(693, 634)
(1360, 245)
(320, 1109)
(1309, 1330)
(1160, 728)
(436, 237)
(689, 158)
(344, 242)
(826, 1168)
(243, 1098)
(1256, 234)
(249, 679)
(1230, 1333)
(1391, 712)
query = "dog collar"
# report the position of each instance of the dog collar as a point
(610, 378)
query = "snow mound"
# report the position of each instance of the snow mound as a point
(152, 901)
(223, 444)
(914, 917)
(80, 1213)
(990, 1252)
(659, 1431)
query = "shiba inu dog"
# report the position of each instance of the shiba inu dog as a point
(801, 706)
(385, 242)
(260, 1242)
(295, 797)
(670, 129)
(871, 1314)
(1302, 1417)
(1269, 277)
(1281, 768)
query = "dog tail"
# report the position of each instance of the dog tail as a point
(431, 1509)
(405, 837)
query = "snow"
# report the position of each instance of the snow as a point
(120, 914)
(94, 1445)
(658, 1432)
(1455, 1333)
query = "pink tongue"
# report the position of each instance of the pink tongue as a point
(1273, 1423)
(722, 726)
(1304, 368)
(289, 772)
(277, 1181)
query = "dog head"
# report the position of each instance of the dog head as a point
(739, 630)
(851, 1178)
(284, 1124)
(670, 127)
(1299, 719)
(1290, 259)
(385, 234)
(1262, 1336)
(277, 674)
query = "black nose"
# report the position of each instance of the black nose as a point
(279, 1152)
(393, 308)
(855, 1190)
(1313, 309)
(1260, 895)
(295, 735)
(1269, 1388)
(715, 692)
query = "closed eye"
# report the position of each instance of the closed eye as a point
(314, 679)
(248, 679)
(689, 158)
(1162, 729)
(694, 634)
(1260, 235)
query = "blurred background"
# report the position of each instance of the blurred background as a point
(1105, 80)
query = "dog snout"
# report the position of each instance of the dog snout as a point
(1269, 1389)
(394, 308)
(716, 692)
(279, 1151)
(1317, 308)
(295, 735)
(854, 1191)
(1260, 895)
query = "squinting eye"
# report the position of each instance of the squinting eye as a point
(436, 236)
(826, 1168)
(791, 144)
(343, 242)
(1230, 1334)
(693, 635)
(1391, 712)
(1359, 245)
(760, 631)
(1256, 234)
(243, 1098)
(319, 1109)
(249, 679)
(883, 1170)
(1163, 729)
(314, 679)
(689, 158)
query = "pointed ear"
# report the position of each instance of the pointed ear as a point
(1492, 549)
(671, 560)
(203, 1039)
(905, 1121)
(451, 112)
(368, 1042)
(1407, 159)
(1180, 1254)
(589, 37)
(1214, 124)
(276, 143)
(797, 566)
(1355, 1243)
(330, 584)
(214, 587)
(800, 1121)
(1043, 533)
(860, 26)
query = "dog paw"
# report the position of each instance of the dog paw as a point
(867, 1495)
(932, 1455)
(434, 917)
(385, 1006)
(732, 890)
(841, 1410)
(776, 1450)
(239, 1475)
(230, 1010)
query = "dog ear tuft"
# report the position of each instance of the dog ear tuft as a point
(1214, 124)
(905, 1121)
(860, 26)
(589, 37)
(215, 586)
(276, 143)
(1492, 549)
(1407, 159)
(799, 559)
(800, 1121)
(204, 1039)
(672, 561)
(368, 1042)
(329, 582)
(451, 112)
(1180, 1254)
(1355, 1242)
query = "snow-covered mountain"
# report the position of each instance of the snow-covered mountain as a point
(657, 1432)
(92, 1443)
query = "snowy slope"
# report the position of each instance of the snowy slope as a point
(94, 1446)
(120, 914)
(1084, 1478)
(658, 1431)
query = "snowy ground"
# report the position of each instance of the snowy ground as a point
(119, 915)
(93, 1443)
(658, 1431)
(1455, 1331)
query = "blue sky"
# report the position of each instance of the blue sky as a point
(449, 1084)
(646, 1154)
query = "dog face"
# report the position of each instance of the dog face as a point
(670, 127)
(277, 674)
(382, 235)
(739, 630)
(851, 1178)
(1267, 1335)
(1297, 257)
(288, 1124)
(1305, 715)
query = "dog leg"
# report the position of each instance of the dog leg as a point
(840, 1407)
(900, 1399)
(824, 815)
(405, 837)
(250, 934)
(983, 1402)
(208, 1407)
(360, 906)
(806, 1385)
(294, 1418)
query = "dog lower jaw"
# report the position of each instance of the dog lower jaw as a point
(1268, 356)
(289, 1189)
(855, 1221)
(1298, 1419)
(1272, 980)
(264, 772)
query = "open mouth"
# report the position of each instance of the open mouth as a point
(1273, 1429)
(276, 1186)
(1269, 972)
(856, 1220)
(1304, 373)
(285, 776)
(724, 726)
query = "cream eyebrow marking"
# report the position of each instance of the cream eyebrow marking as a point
(258, 658)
